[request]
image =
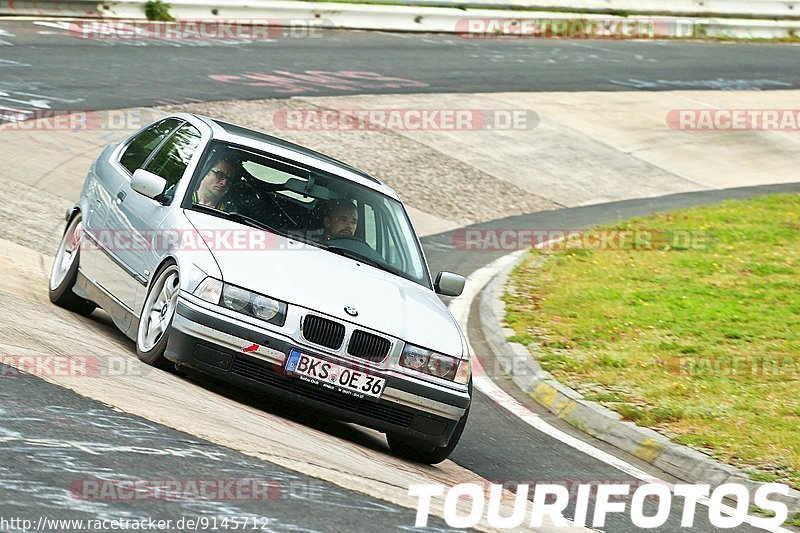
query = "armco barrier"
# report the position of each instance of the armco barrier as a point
(694, 8)
(763, 9)
(396, 18)
(79, 8)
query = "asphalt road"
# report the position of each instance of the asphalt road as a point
(58, 447)
(46, 64)
(55, 70)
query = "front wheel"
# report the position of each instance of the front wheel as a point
(156, 319)
(417, 452)
(65, 270)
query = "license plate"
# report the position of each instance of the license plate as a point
(333, 376)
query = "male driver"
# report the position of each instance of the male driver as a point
(215, 184)
(341, 220)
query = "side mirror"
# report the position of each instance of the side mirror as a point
(449, 284)
(147, 183)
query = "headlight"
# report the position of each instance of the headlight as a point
(414, 357)
(435, 364)
(235, 298)
(265, 308)
(442, 366)
(241, 300)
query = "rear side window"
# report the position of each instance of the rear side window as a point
(172, 159)
(143, 144)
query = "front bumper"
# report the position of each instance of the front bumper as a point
(253, 358)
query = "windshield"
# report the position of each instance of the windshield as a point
(321, 209)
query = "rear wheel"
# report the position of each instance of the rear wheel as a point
(65, 270)
(156, 319)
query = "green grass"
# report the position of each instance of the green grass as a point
(696, 333)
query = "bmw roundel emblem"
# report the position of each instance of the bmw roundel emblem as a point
(351, 311)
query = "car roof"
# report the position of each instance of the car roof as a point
(228, 132)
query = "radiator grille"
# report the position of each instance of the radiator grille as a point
(368, 346)
(323, 332)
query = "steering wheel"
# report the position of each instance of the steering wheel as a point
(358, 245)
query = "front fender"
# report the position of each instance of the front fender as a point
(189, 251)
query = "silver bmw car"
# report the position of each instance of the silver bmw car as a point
(272, 267)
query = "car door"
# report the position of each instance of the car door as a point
(144, 216)
(111, 234)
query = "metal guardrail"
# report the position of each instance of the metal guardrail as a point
(717, 8)
(423, 15)
(758, 9)
(75, 8)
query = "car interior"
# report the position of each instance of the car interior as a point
(293, 201)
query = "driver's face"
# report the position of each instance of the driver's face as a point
(342, 221)
(217, 181)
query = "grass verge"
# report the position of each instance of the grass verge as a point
(691, 326)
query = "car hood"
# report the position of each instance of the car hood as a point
(319, 280)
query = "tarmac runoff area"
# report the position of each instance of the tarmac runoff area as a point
(586, 148)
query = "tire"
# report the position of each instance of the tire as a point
(65, 270)
(158, 311)
(421, 454)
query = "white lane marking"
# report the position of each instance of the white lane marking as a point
(460, 308)
(9, 63)
(13, 114)
(39, 101)
(719, 83)
(49, 98)
(594, 47)
(105, 34)
(394, 34)
(59, 25)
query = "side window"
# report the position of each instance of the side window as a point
(172, 159)
(143, 144)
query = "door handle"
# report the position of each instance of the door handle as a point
(120, 196)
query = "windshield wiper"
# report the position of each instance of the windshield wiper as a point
(346, 252)
(244, 219)
(235, 217)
